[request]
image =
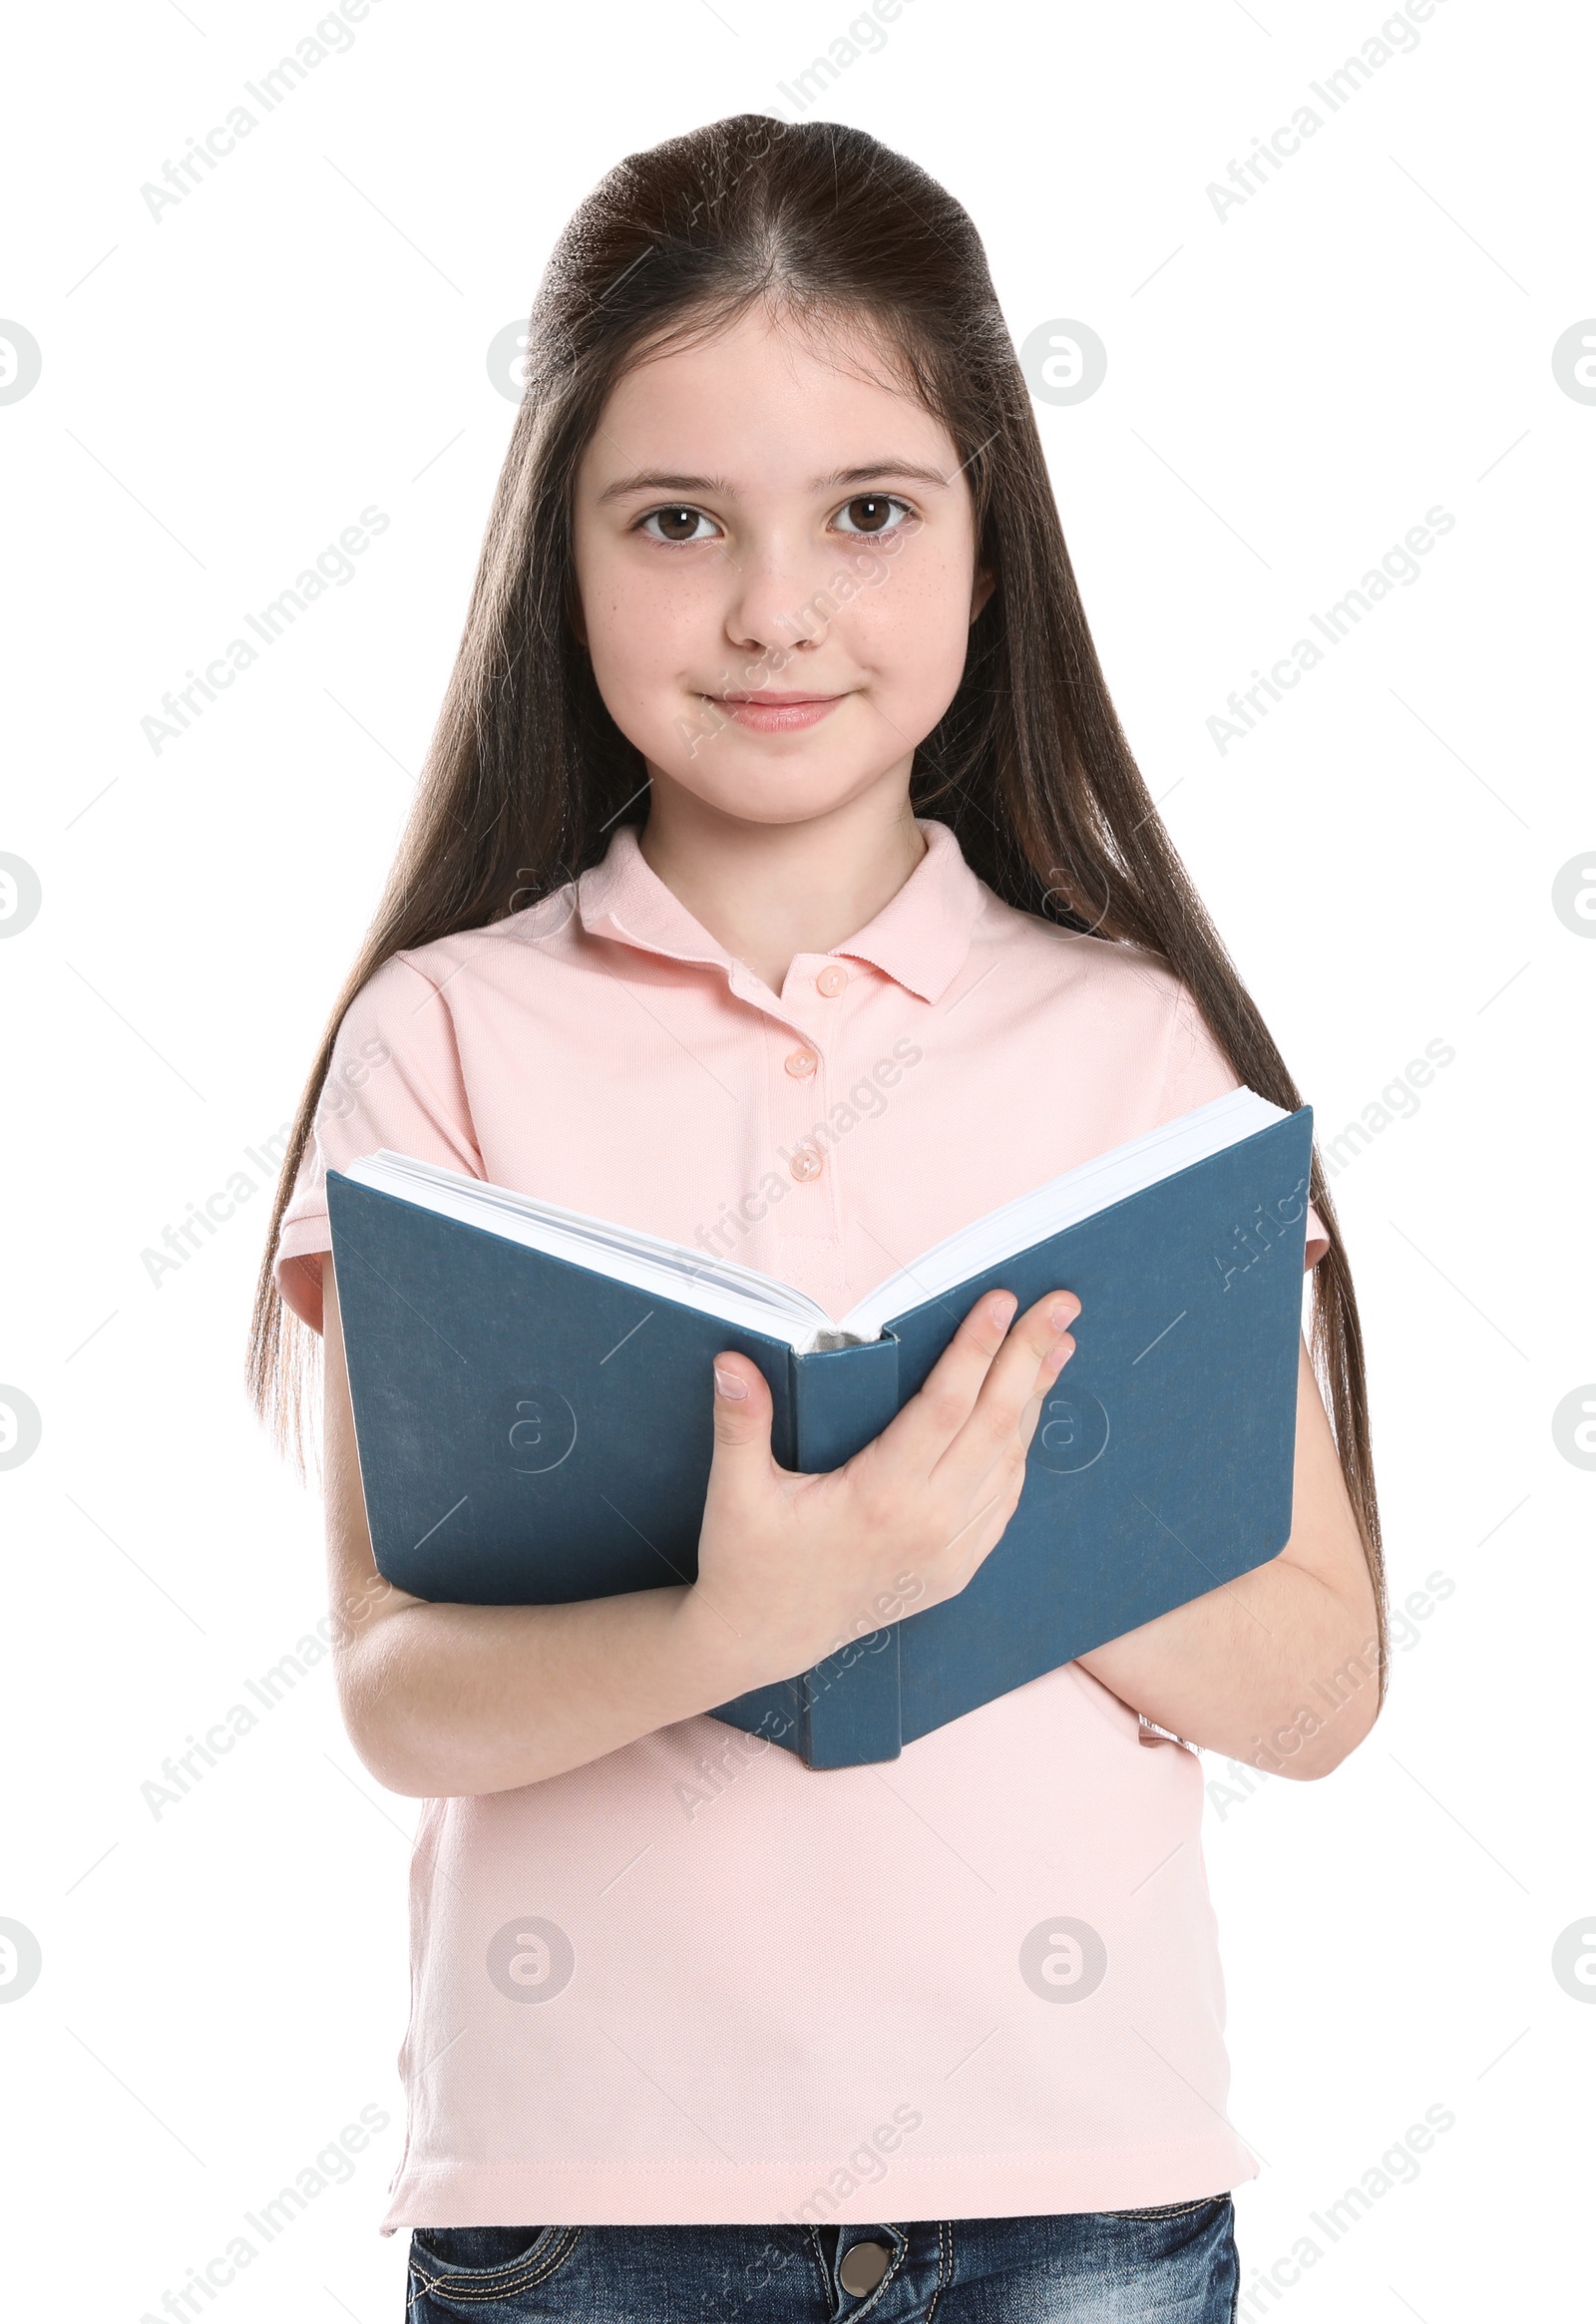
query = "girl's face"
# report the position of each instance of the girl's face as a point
(776, 568)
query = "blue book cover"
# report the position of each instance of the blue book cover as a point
(533, 1430)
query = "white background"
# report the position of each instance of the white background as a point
(1289, 389)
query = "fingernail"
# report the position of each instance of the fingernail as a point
(1058, 1355)
(1003, 1309)
(728, 1384)
(1062, 1312)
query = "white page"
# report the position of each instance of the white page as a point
(1063, 1202)
(716, 1286)
(761, 1303)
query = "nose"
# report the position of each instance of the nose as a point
(779, 605)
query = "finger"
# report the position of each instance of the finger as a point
(1030, 1417)
(931, 1419)
(1038, 1345)
(742, 1416)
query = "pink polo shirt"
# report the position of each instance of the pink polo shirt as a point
(695, 1981)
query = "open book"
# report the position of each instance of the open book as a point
(741, 1295)
(532, 1401)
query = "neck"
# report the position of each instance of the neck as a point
(768, 891)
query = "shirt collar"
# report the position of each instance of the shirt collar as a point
(921, 939)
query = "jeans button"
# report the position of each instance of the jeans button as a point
(863, 2267)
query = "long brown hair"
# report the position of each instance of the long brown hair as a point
(527, 773)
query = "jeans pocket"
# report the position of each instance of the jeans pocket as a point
(462, 2270)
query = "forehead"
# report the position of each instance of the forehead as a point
(765, 402)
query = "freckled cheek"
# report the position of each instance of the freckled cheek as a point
(915, 634)
(644, 641)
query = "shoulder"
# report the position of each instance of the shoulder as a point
(1104, 999)
(514, 945)
(425, 985)
(1126, 980)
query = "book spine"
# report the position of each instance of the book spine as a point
(850, 1699)
(802, 1736)
(784, 1422)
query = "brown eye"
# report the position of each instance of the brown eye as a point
(872, 514)
(674, 524)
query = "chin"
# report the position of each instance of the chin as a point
(761, 786)
(773, 804)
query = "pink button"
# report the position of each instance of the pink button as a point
(831, 981)
(806, 1163)
(802, 1063)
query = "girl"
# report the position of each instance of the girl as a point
(781, 883)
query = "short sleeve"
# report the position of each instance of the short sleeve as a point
(1199, 1072)
(394, 1081)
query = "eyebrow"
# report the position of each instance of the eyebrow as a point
(659, 480)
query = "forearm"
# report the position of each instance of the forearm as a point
(1276, 1669)
(1281, 1667)
(443, 1700)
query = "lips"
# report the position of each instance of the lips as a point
(768, 698)
(773, 714)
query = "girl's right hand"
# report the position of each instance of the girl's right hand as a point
(792, 1567)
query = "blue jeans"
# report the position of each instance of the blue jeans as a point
(1172, 2264)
